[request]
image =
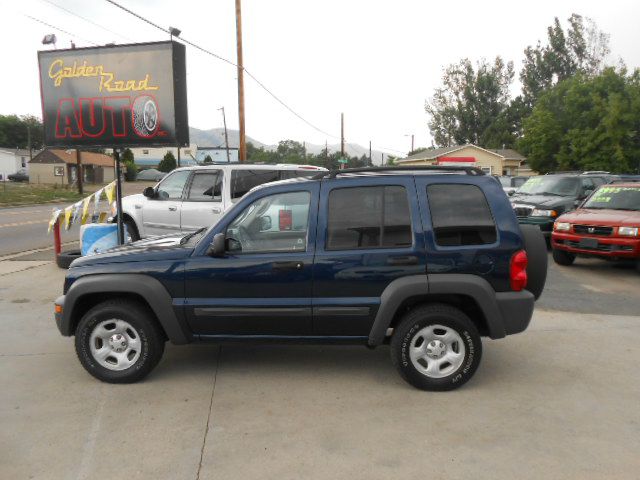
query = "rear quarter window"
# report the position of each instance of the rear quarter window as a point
(244, 180)
(460, 215)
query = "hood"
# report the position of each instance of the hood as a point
(133, 198)
(165, 247)
(547, 201)
(605, 217)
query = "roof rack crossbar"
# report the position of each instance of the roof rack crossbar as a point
(437, 168)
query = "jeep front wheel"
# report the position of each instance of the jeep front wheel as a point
(562, 257)
(436, 347)
(119, 341)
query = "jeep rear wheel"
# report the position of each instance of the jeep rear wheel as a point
(436, 347)
(563, 258)
(119, 341)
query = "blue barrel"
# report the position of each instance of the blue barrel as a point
(98, 237)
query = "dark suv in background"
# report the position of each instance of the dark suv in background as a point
(426, 259)
(545, 197)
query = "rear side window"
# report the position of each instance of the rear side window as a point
(244, 180)
(460, 215)
(369, 217)
(206, 187)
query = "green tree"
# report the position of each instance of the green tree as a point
(130, 165)
(14, 131)
(581, 49)
(208, 159)
(470, 99)
(168, 163)
(586, 123)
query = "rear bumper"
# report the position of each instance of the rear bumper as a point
(516, 309)
(545, 223)
(607, 247)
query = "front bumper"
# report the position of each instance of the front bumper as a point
(59, 315)
(606, 247)
(545, 223)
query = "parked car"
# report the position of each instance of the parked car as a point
(150, 175)
(425, 259)
(545, 197)
(511, 184)
(20, 176)
(606, 226)
(194, 197)
(629, 178)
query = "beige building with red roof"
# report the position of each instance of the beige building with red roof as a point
(53, 166)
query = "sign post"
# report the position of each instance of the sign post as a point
(115, 97)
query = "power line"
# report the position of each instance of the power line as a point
(58, 29)
(87, 20)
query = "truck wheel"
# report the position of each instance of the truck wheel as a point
(536, 247)
(131, 230)
(119, 341)
(563, 258)
(436, 347)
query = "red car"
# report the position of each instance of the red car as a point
(606, 225)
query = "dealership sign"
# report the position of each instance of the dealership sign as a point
(115, 96)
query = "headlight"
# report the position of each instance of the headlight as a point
(628, 231)
(544, 213)
(562, 226)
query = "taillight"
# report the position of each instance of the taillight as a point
(518, 271)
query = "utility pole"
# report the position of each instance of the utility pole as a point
(242, 148)
(370, 160)
(226, 135)
(29, 142)
(304, 151)
(342, 135)
(412, 142)
(382, 163)
(178, 156)
(79, 170)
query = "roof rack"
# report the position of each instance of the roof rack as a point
(436, 168)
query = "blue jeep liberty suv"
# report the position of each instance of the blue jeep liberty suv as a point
(424, 259)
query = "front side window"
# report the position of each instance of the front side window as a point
(172, 186)
(244, 180)
(206, 186)
(275, 223)
(460, 215)
(369, 217)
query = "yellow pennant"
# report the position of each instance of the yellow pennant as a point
(53, 220)
(103, 217)
(85, 209)
(67, 217)
(109, 191)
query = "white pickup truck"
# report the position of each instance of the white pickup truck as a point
(193, 197)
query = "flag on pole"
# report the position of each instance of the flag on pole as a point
(54, 219)
(85, 209)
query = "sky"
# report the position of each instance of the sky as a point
(376, 61)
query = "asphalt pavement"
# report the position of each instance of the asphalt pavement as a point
(557, 401)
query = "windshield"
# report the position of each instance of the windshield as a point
(505, 181)
(548, 185)
(615, 198)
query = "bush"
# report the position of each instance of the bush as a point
(168, 163)
(131, 171)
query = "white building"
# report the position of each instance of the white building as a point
(13, 160)
(150, 157)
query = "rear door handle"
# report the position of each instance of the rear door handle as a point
(287, 265)
(403, 260)
(173, 209)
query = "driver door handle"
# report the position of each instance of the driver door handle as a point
(287, 265)
(402, 260)
(173, 209)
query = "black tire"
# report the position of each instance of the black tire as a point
(132, 229)
(64, 259)
(414, 322)
(536, 247)
(562, 257)
(145, 328)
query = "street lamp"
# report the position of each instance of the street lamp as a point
(174, 32)
(50, 40)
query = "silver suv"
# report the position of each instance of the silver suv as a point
(194, 197)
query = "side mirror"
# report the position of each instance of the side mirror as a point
(217, 247)
(265, 223)
(511, 193)
(149, 192)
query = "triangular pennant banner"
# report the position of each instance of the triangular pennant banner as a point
(67, 217)
(54, 219)
(85, 209)
(109, 191)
